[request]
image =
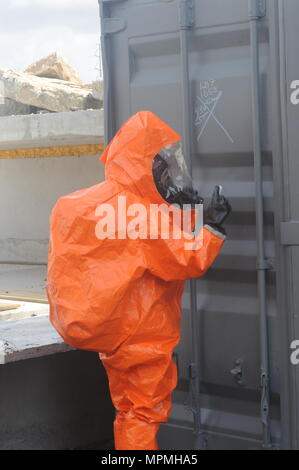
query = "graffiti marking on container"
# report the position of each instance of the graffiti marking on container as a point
(206, 104)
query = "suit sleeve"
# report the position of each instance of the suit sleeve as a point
(181, 259)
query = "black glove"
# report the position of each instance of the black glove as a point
(218, 210)
(182, 196)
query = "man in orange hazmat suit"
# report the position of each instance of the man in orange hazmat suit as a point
(120, 294)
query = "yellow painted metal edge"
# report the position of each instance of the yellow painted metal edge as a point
(58, 151)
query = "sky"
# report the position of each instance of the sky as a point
(32, 29)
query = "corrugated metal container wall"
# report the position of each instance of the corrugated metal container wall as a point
(142, 70)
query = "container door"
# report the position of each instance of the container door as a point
(141, 57)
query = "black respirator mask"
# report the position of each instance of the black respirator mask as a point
(172, 178)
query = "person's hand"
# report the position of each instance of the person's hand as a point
(218, 210)
(186, 195)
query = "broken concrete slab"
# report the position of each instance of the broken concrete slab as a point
(54, 66)
(10, 107)
(52, 94)
(97, 90)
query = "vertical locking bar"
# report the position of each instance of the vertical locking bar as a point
(186, 22)
(256, 10)
(105, 47)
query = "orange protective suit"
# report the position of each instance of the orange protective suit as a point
(121, 296)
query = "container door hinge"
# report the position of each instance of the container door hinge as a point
(256, 9)
(113, 25)
(186, 14)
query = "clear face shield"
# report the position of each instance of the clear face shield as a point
(172, 177)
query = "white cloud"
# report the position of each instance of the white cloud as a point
(51, 3)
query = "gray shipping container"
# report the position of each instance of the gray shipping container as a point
(222, 73)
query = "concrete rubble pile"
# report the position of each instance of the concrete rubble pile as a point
(48, 85)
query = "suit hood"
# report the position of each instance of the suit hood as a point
(129, 156)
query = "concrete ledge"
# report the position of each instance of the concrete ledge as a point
(52, 129)
(29, 338)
